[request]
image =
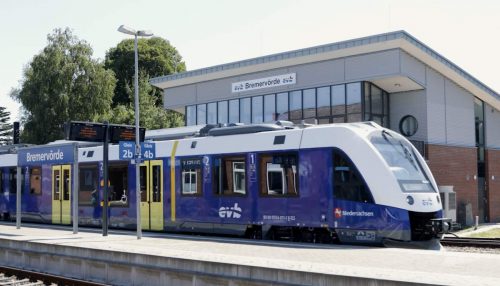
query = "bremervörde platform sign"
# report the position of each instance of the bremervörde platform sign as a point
(272, 81)
(54, 155)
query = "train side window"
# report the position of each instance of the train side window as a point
(229, 176)
(36, 181)
(88, 181)
(278, 175)
(348, 183)
(1, 182)
(118, 184)
(13, 180)
(191, 176)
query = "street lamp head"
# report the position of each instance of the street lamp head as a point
(126, 30)
(144, 33)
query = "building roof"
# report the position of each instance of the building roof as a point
(398, 39)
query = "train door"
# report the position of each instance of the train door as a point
(61, 194)
(151, 177)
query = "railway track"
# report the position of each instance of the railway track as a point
(471, 242)
(16, 276)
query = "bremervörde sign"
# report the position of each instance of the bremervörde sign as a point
(36, 156)
(272, 81)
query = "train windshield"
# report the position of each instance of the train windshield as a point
(400, 157)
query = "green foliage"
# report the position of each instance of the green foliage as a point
(156, 58)
(5, 127)
(63, 83)
(150, 115)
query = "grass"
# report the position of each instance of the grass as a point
(492, 233)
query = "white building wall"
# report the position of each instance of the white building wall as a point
(409, 103)
(460, 124)
(372, 65)
(412, 68)
(436, 111)
(492, 127)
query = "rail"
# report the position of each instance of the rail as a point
(471, 242)
(26, 277)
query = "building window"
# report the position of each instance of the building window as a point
(245, 108)
(282, 106)
(279, 175)
(296, 106)
(309, 102)
(191, 176)
(408, 125)
(212, 113)
(269, 108)
(191, 115)
(222, 112)
(234, 111)
(352, 102)
(229, 176)
(36, 181)
(201, 110)
(324, 102)
(257, 109)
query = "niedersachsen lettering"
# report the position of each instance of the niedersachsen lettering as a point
(47, 156)
(357, 213)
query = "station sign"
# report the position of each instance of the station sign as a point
(36, 156)
(95, 132)
(127, 150)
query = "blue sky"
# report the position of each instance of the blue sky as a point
(213, 32)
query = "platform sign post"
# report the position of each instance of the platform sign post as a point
(18, 196)
(105, 163)
(75, 189)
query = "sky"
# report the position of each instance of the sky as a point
(212, 32)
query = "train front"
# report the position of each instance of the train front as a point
(413, 190)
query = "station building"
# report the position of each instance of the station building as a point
(393, 79)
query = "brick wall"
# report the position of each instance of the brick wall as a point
(493, 185)
(456, 166)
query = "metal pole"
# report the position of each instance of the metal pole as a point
(76, 185)
(105, 181)
(18, 197)
(137, 145)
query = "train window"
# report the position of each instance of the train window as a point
(278, 174)
(88, 181)
(1, 182)
(229, 176)
(191, 176)
(13, 180)
(36, 181)
(118, 184)
(348, 183)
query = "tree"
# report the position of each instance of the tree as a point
(5, 127)
(150, 115)
(156, 58)
(60, 84)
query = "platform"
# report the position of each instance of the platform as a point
(165, 259)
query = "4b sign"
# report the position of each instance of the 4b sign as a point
(127, 150)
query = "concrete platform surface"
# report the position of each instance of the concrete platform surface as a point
(392, 264)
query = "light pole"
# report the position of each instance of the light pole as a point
(136, 34)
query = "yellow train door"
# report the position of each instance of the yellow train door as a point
(151, 178)
(61, 194)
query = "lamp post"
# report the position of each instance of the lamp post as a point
(136, 34)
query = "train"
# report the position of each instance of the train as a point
(348, 183)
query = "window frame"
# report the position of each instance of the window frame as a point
(33, 193)
(119, 202)
(197, 170)
(217, 176)
(263, 162)
(81, 202)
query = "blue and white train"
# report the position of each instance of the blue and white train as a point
(354, 183)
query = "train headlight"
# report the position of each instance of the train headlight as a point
(409, 200)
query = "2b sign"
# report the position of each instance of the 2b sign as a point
(127, 150)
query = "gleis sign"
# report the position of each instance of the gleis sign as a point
(272, 81)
